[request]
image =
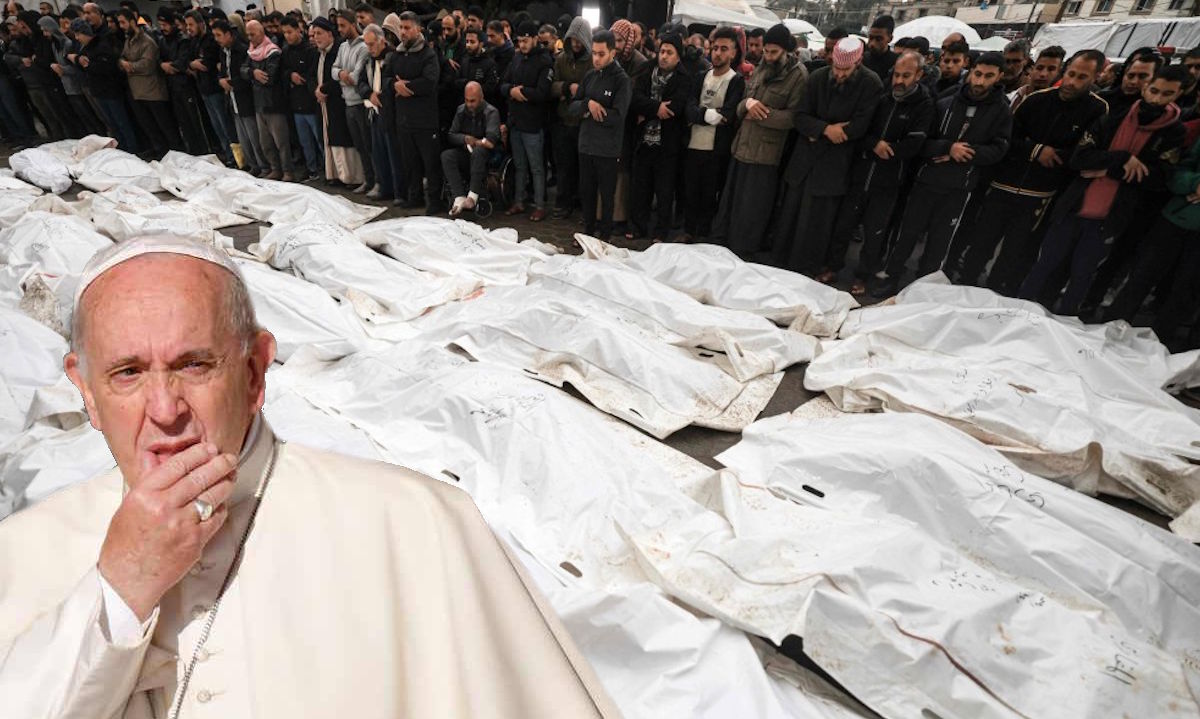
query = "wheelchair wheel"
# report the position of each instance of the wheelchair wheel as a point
(483, 207)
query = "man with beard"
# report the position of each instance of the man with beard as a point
(766, 114)
(659, 102)
(896, 135)
(834, 113)
(415, 67)
(452, 52)
(172, 56)
(951, 64)
(101, 74)
(526, 87)
(299, 67)
(1120, 159)
(879, 56)
(1045, 73)
(474, 19)
(1047, 126)
(234, 56)
(1016, 60)
(343, 166)
(203, 56)
(501, 50)
(263, 70)
(474, 135)
(754, 45)
(635, 64)
(478, 66)
(570, 67)
(147, 85)
(347, 68)
(602, 100)
(1139, 68)
(374, 86)
(1187, 101)
(971, 131)
(30, 54)
(712, 111)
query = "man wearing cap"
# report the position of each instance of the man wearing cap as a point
(659, 105)
(526, 87)
(767, 114)
(185, 103)
(971, 130)
(879, 56)
(30, 54)
(635, 64)
(217, 570)
(834, 113)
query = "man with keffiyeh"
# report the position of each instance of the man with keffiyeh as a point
(270, 100)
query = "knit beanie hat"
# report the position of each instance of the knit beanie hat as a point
(779, 35)
(675, 41)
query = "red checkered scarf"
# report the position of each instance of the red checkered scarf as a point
(625, 31)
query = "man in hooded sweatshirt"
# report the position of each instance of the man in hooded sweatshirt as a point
(971, 131)
(147, 85)
(570, 67)
(72, 82)
(766, 113)
(1122, 158)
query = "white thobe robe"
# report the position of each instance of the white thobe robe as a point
(366, 590)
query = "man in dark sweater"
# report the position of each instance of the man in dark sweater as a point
(30, 55)
(185, 102)
(104, 79)
(478, 66)
(835, 112)
(659, 103)
(879, 57)
(570, 67)
(1046, 128)
(526, 88)
(896, 136)
(203, 56)
(971, 131)
(299, 68)
(602, 101)
(1139, 69)
(1119, 160)
(415, 67)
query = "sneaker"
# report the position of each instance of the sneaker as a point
(313, 176)
(376, 193)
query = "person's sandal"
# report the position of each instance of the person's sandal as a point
(858, 289)
(827, 277)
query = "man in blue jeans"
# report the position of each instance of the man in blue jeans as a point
(203, 58)
(527, 89)
(300, 75)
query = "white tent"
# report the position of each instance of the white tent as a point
(718, 12)
(995, 42)
(1181, 33)
(1073, 36)
(802, 27)
(935, 28)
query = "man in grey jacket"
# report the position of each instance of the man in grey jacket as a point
(474, 134)
(351, 57)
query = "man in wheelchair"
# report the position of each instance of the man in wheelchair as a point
(474, 135)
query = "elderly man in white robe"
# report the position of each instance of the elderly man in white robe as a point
(220, 572)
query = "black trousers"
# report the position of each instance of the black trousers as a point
(704, 173)
(566, 165)
(190, 114)
(873, 210)
(931, 212)
(654, 177)
(1074, 247)
(85, 117)
(1183, 298)
(158, 124)
(1010, 221)
(1160, 252)
(745, 210)
(420, 156)
(360, 135)
(597, 178)
(804, 228)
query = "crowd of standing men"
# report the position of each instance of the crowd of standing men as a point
(1072, 181)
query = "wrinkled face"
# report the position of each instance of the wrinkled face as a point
(602, 55)
(722, 52)
(951, 64)
(981, 80)
(321, 37)
(1014, 64)
(1078, 78)
(495, 39)
(376, 45)
(449, 29)
(409, 31)
(1136, 77)
(773, 54)
(754, 49)
(1044, 73)
(668, 58)
(92, 14)
(164, 368)
(254, 31)
(878, 39)
(905, 73)
(1161, 92)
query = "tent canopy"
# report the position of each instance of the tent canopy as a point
(994, 42)
(796, 26)
(717, 12)
(935, 28)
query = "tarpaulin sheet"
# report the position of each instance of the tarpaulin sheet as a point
(748, 345)
(205, 181)
(655, 386)
(1078, 405)
(380, 289)
(716, 276)
(453, 248)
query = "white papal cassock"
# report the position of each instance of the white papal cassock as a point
(366, 590)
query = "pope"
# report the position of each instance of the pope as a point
(218, 571)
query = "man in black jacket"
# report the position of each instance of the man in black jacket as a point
(897, 134)
(374, 85)
(104, 79)
(526, 87)
(879, 57)
(234, 56)
(835, 112)
(1119, 160)
(501, 50)
(478, 66)
(659, 103)
(602, 101)
(203, 55)
(30, 56)
(299, 69)
(474, 136)
(263, 70)
(1139, 69)
(185, 103)
(415, 67)
(452, 51)
(971, 131)
(1047, 126)
(712, 112)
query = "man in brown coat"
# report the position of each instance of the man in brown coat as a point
(148, 86)
(772, 96)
